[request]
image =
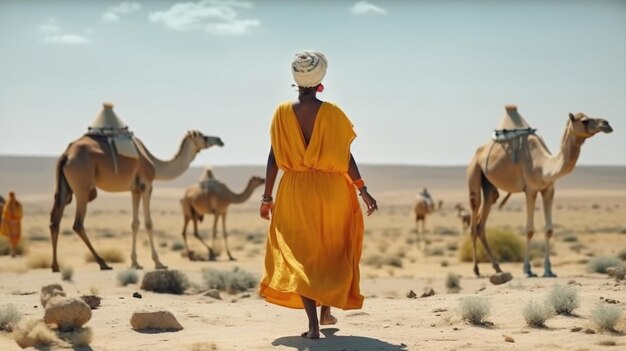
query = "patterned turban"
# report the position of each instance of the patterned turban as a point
(309, 68)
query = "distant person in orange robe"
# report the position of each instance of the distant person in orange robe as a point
(11, 226)
(316, 230)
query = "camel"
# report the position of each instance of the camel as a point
(465, 217)
(88, 163)
(422, 208)
(524, 164)
(210, 196)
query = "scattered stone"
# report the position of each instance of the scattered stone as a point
(455, 328)
(589, 331)
(500, 278)
(428, 291)
(611, 271)
(137, 295)
(508, 339)
(214, 293)
(159, 320)
(68, 313)
(576, 329)
(92, 301)
(601, 297)
(244, 296)
(439, 310)
(50, 291)
(411, 294)
(611, 301)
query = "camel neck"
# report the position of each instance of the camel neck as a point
(243, 196)
(175, 167)
(565, 161)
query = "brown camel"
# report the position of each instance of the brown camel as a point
(422, 208)
(524, 164)
(465, 217)
(88, 163)
(211, 196)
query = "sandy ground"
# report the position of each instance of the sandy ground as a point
(591, 209)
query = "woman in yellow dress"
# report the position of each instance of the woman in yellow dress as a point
(316, 226)
(11, 226)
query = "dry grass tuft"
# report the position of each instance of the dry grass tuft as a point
(35, 333)
(505, 245)
(128, 276)
(599, 264)
(232, 282)
(9, 316)
(606, 317)
(39, 260)
(67, 273)
(379, 261)
(563, 299)
(78, 337)
(203, 346)
(5, 247)
(453, 283)
(109, 255)
(475, 310)
(165, 281)
(537, 314)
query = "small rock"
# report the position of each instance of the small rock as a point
(92, 301)
(589, 331)
(137, 295)
(428, 291)
(576, 329)
(411, 294)
(611, 301)
(68, 313)
(508, 339)
(455, 328)
(159, 320)
(439, 310)
(50, 291)
(611, 271)
(244, 296)
(214, 293)
(500, 278)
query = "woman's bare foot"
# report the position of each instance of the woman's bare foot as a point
(326, 318)
(311, 334)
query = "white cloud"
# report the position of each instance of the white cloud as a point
(52, 33)
(113, 13)
(212, 16)
(365, 8)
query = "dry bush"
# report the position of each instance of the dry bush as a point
(177, 246)
(452, 246)
(570, 238)
(435, 251)
(563, 299)
(35, 333)
(606, 316)
(9, 316)
(474, 310)
(505, 245)
(165, 281)
(203, 346)
(622, 255)
(39, 260)
(109, 255)
(67, 273)
(233, 281)
(599, 264)
(538, 249)
(5, 247)
(453, 282)
(128, 276)
(537, 314)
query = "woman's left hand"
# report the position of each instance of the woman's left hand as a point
(369, 201)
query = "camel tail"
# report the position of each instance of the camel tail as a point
(62, 192)
(503, 202)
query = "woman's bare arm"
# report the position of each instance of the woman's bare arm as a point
(353, 172)
(271, 171)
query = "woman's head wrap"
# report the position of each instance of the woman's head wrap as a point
(309, 68)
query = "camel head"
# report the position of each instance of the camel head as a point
(201, 141)
(256, 181)
(584, 126)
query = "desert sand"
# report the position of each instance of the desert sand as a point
(589, 206)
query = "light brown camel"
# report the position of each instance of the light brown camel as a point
(211, 196)
(87, 164)
(423, 208)
(465, 217)
(524, 164)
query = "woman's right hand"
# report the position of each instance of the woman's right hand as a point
(369, 201)
(266, 209)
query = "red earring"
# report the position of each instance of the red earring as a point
(320, 88)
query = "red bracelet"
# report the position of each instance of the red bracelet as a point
(359, 183)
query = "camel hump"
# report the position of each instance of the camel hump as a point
(512, 124)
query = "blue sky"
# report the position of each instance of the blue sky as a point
(424, 82)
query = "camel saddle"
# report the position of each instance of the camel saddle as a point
(511, 130)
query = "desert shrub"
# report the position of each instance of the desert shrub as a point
(203, 346)
(77, 338)
(378, 261)
(538, 249)
(165, 281)
(606, 316)
(536, 314)
(622, 255)
(35, 333)
(128, 276)
(435, 251)
(453, 282)
(5, 247)
(67, 273)
(9, 316)
(109, 255)
(446, 231)
(394, 261)
(570, 238)
(563, 299)
(599, 264)
(233, 281)
(452, 246)
(39, 260)
(505, 245)
(474, 309)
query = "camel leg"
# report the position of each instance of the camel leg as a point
(136, 197)
(531, 198)
(225, 234)
(61, 198)
(79, 228)
(547, 195)
(186, 222)
(490, 195)
(197, 235)
(212, 255)
(474, 184)
(148, 219)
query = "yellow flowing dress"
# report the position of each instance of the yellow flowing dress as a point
(316, 230)
(11, 226)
